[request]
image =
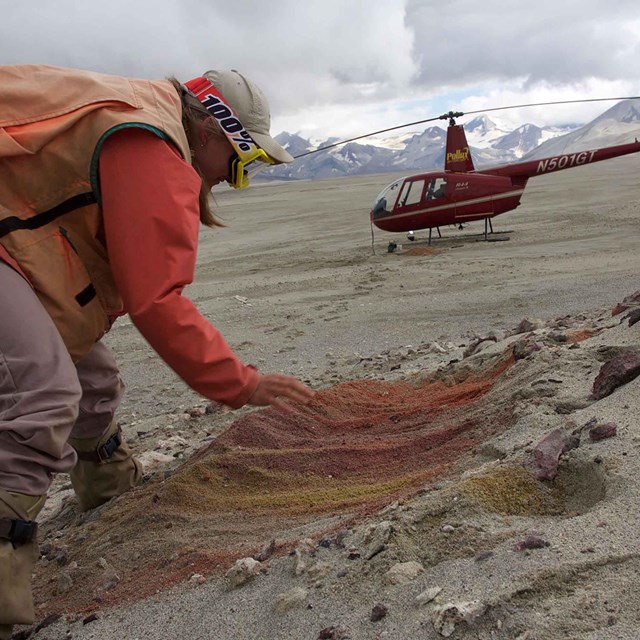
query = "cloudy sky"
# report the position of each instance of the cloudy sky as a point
(346, 67)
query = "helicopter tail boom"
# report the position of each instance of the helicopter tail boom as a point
(566, 161)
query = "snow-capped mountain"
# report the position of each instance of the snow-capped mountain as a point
(490, 143)
(618, 125)
(482, 132)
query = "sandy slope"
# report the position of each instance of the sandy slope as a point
(294, 286)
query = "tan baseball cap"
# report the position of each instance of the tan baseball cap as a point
(251, 107)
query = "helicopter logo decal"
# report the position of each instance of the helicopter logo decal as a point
(459, 155)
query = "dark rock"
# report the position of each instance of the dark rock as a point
(577, 431)
(378, 612)
(92, 617)
(483, 555)
(546, 455)
(46, 547)
(334, 633)
(630, 301)
(615, 373)
(524, 348)
(266, 552)
(213, 407)
(62, 555)
(473, 347)
(527, 325)
(634, 316)
(531, 542)
(603, 431)
(565, 322)
(49, 620)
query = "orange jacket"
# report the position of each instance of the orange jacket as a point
(53, 123)
(59, 130)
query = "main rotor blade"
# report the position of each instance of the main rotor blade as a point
(458, 114)
(366, 135)
(544, 104)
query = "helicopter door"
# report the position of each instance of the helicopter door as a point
(437, 189)
(411, 193)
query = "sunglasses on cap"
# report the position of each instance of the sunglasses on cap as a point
(248, 155)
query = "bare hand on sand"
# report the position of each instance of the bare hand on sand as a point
(274, 389)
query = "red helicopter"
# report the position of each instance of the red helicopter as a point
(460, 194)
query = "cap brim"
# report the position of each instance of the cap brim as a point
(272, 148)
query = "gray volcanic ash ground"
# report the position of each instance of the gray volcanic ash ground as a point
(469, 468)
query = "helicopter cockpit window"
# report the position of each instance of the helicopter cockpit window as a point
(411, 192)
(384, 203)
(437, 189)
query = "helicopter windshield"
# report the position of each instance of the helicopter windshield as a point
(383, 204)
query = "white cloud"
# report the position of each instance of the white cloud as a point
(342, 68)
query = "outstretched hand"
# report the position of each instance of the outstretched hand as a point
(274, 389)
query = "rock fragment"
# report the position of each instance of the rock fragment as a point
(266, 552)
(403, 572)
(475, 345)
(629, 301)
(301, 556)
(428, 595)
(242, 571)
(378, 612)
(290, 599)
(527, 325)
(435, 347)
(376, 538)
(213, 407)
(110, 580)
(334, 633)
(603, 431)
(65, 583)
(319, 570)
(615, 373)
(531, 542)
(152, 459)
(447, 616)
(546, 455)
(524, 348)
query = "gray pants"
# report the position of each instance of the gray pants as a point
(44, 397)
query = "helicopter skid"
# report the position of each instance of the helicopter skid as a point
(472, 237)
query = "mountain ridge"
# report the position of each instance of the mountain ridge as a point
(490, 143)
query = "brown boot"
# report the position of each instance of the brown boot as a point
(106, 468)
(18, 554)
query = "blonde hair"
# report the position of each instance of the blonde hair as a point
(194, 116)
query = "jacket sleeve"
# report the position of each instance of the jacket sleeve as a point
(151, 220)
